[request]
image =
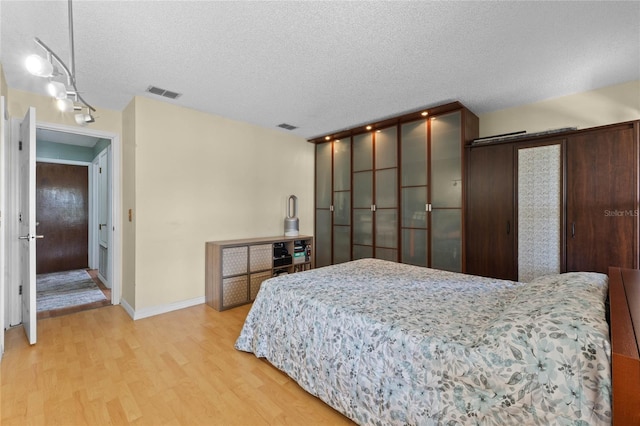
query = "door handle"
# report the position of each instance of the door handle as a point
(573, 229)
(27, 237)
(104, 224)
(508, 227)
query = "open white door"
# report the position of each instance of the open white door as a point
(103, 199)
(27, 223)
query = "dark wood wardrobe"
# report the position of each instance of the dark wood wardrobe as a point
(592, 218)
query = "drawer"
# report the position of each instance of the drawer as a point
(256, 282)
(234, 260)
(234, 291)
(260, 257)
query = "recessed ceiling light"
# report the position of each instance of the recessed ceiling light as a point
(326, 138)
(368, 127)
(424, 113)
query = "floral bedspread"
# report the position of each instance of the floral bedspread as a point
(387, 343)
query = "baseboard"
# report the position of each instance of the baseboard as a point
(106, 283)
(163, 309)
(127, 307)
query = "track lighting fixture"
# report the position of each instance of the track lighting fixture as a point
(57, 90)
(39, 66)
(66, 95)
(84, 119)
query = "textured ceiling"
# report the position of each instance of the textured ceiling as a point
(326, 66)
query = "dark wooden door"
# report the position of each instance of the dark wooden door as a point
(62, 216)
(490, 228)
(602, 199)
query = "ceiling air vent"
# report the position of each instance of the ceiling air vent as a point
(162, 92)
(287, 126)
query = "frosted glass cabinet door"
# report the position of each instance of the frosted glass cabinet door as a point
(341, 244)
(323, 204)
(323, 175)
(414, 212)
(342, 208)
(415, 249)
(386, 148)
(446, 192)
(414, 226)
(362, 190)
(362, 195)
(363, 152)
(446, 161)
(341, 165)
(363, 227)
(413, 147)
(341, 200)
(386, 188)
(323, 238)
(386, 194)
(446, 242)
(414, 171)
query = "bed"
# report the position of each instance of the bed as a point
(390, 343)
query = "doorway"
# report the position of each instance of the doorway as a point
(69, 279)
(111, 267)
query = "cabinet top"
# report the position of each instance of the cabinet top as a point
(277, 239)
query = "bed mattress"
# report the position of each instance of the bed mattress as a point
(389, 343)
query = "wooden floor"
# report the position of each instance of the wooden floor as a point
(100, 367)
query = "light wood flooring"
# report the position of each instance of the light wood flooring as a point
(100, 367)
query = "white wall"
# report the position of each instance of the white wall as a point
(201, 177)
(607, 105)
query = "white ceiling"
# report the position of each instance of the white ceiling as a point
(326, 66)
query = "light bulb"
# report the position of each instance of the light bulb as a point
(64, 105)
(81, 119)
(39, 66)
(57, 90)
(84, 119)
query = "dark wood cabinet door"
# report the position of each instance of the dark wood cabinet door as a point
(602, 199)
(489, 230)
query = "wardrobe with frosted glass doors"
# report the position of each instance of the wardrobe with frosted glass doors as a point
(404, 199)
(333, 202)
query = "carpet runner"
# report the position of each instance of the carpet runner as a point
(63, 289)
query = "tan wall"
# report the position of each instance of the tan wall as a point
(200, 177)
(129, 202)
(607, 105)
(46, 112)
(3, 83)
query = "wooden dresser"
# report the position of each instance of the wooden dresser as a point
(624, 296)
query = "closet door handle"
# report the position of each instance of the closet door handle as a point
(508, 227)
(573, 229)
